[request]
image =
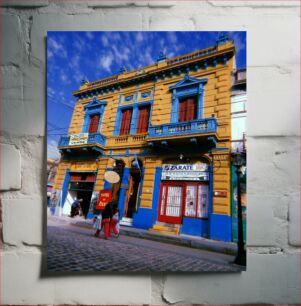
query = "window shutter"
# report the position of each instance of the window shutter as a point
(182, 110)
(187, 109)
(94, 121)
(143, 120)
(125, 122)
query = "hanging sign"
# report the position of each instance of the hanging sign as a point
(112, 177)
(78, 139)
(105, 196)
(185, 172)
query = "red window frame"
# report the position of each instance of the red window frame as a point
(187, 109)
(94, 122)
(126, 119)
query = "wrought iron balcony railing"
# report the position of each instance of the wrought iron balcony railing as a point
(208, 125)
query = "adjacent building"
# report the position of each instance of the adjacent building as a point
(166, 130)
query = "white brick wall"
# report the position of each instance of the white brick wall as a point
(10, 167)
(273, 274)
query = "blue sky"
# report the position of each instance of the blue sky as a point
(72, 56)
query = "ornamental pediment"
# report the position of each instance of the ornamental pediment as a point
(95, 103)
(188, 81)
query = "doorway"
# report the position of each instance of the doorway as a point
(132, 197)
(85, 205)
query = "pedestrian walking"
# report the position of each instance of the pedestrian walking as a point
(106, 219)
(114, 226)
(75, 208)
(97, 224)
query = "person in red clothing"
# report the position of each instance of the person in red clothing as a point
(106, 219)
(114, 226)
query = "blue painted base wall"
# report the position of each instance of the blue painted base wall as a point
(143, 218)
(220, 227)
(195, 227)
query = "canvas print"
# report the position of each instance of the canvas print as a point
(146, 151)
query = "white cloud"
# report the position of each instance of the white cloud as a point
(139, 37)
(56, 48)
(104, 40)
(90, 35)
(106, 62)
(121, 54)
(172, 37)
(53, 152)
(64, 78)
(49, 53)
(74, 62)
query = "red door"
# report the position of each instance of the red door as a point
(171, 203)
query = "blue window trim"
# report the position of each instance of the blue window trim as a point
(95, 107)
(187, 87)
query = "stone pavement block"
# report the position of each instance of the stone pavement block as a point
(22, 221)
(260, 219)
(294, 220)
(268, 279)
(21, 274)
(273, 165)
(162, 22)
(87, 22)
(277, 90)
(10, 168)
(12, 43)
(24, 3)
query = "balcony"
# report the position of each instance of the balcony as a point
(126, 141)
(82, 140)
(193, 128)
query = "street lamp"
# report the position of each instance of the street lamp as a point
(238, 160)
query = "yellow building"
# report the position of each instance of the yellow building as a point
(166, 129)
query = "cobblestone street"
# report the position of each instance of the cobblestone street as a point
(71, 248)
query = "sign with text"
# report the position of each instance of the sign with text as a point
(78, 139)
(105, 196)
(185, 172)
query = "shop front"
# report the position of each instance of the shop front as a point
(79, 185)
(185, 197)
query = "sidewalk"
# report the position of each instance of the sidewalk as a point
(229, 248)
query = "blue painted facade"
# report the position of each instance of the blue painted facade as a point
(146, 217)
(195, 227)
(123, 189)
(220, 227)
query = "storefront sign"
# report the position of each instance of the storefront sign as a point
(185, 172)
(78, 139)
(105, 196)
